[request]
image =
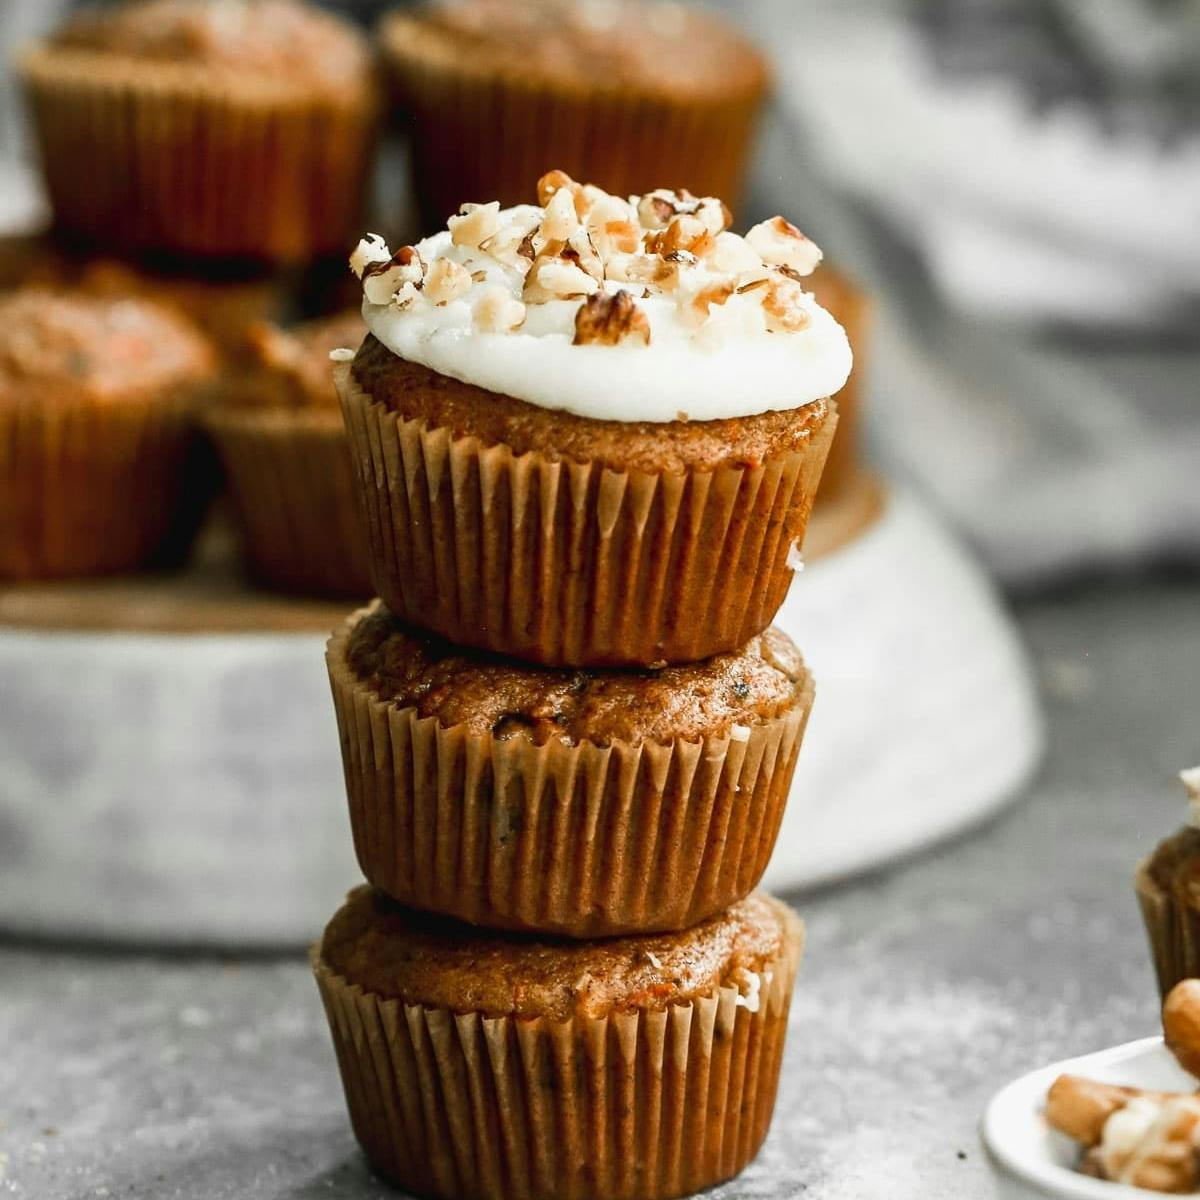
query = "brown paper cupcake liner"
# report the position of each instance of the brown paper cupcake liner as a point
(642, 1104)
(292, 483)
(89, 487)
(1173, 930)
(508, 130)
(149, 156)
(582, 841)
(564, 562)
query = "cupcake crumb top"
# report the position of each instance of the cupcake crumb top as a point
(421, 959)
(290, 368)
(726, 695)
(659, 280)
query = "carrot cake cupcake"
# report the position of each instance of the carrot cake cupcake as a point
(504, 1068)
(98, 410)
(590, 431)
(629, 93)
(228, 128)
(280, 434)
(1168, 890)
(579, 802)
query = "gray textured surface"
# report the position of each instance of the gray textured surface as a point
(924, 988)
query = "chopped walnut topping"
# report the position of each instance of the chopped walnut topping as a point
(474, 224)
(498, 312)
(556, 278)
(731, 255)
(370, 249)
(683, 233)
(446, 281)
(779, 243)
(784, 306)
(709, 297)
(604, 320)
(655, 209)
(404, 271)
(551, 184)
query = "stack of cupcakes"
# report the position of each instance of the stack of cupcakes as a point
(206, 156)
(587, 435)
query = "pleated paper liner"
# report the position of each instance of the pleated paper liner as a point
(564, 562)
(639, 1105)
(88, 487)
(507, 129)
(583, 840)
(290, 474)
(141, 155)
(1172, 915)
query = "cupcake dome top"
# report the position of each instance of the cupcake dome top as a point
(652, 45)
(640, 309)
(418, 959)
(56, 347)
(282, 40)
(719, 696)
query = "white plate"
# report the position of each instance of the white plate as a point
(1033, 1161)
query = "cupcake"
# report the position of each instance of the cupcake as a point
(848, 305)
(98, 408)
(628, 93)
(578, 802)
(280, 435)
(226, 128)
(502, 1068)
(1168, 890)
(591, 433)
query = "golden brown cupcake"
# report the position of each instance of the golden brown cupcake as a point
(1168, 891)
(281, 437)
(220, 128)
(502, 1068)
(98, 409)
(591, 432)
(618, 91)
(583, 803)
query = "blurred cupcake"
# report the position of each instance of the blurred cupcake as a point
(591, 433)
(280, 434)
(1168, 890)
(98, 406)
(848, 305)
(624, 92)
(584, 803)
(500, 1067)
(228, 128)
(224, 305)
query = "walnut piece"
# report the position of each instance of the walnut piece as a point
(446, 281)
(498, 311)
(779, 243)
(604, 320)
(401, 276)
(474, 224)
(784, 306)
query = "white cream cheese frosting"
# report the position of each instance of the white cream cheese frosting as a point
(1190, 778)
(644, 309)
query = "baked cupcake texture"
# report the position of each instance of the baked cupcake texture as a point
(99, 401)
(1168, 891)
(628, 94)
(501, 1067)
(228, 128)
(580, 802)
(281, 437)
(590, 431)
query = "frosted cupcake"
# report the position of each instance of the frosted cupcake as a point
(504, 1068)
(590, 431)
(280, 434)
(584, 803)
(627, 92)
(226, 128)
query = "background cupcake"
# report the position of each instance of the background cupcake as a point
(493, 1067)
(235, 129)
(585, 803)
(590, 432)
(280, 434)
(99, 403)
(629, 95)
